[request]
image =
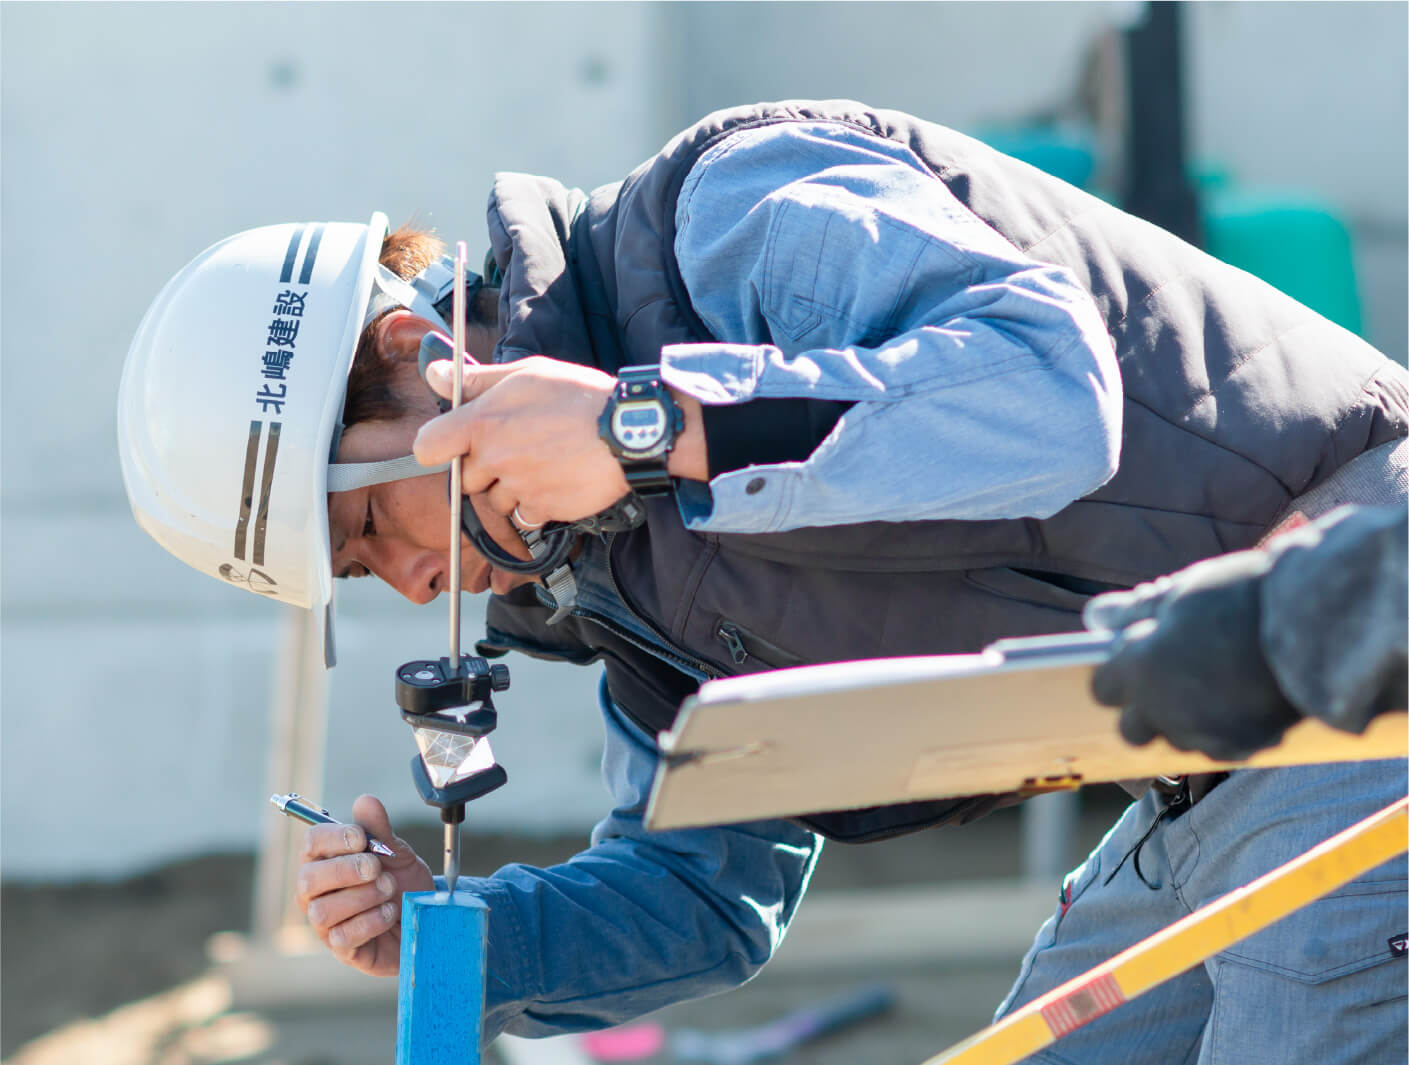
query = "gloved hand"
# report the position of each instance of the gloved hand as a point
(1189, 664)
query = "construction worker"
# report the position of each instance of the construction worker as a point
(877, 390)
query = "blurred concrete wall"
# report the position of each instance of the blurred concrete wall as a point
(135, 692)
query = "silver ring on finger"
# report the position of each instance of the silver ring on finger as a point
(526, 526)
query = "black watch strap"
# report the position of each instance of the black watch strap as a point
(647, 478)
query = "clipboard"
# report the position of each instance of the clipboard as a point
(1018, 716)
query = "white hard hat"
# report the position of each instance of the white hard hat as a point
(232, 394)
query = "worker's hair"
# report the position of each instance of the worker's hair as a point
(370, 392)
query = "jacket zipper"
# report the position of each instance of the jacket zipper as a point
(729, 633)
(744, 645)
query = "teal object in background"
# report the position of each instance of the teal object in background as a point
(1062, 153)
(440, 995)
(1290, 241)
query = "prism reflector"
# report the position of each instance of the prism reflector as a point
(452, 756)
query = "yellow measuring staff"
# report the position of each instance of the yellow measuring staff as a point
(1188, 942)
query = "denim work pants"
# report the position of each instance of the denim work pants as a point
(1322, 985)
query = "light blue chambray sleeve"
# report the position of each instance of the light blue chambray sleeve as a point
(836, 266)
(640, 919)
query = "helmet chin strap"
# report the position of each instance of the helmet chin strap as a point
(348, 476)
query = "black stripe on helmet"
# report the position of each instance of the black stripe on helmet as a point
(261, 521)
(310, 255)
(291, 254)
(247, 489)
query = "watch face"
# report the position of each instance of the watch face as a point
(639, 428)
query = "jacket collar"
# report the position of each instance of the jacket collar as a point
(540, 305)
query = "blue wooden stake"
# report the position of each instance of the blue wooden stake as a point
(440, 1001)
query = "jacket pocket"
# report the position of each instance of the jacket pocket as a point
(1332, 937)
(742, 647)
(1054, 591)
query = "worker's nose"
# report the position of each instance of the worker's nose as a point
(418, 575)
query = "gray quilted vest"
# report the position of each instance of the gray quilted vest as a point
(1237, 399)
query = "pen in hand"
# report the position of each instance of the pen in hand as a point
(299, 808)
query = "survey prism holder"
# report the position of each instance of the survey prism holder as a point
(451, 714)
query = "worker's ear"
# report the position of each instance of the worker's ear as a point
(398, 335)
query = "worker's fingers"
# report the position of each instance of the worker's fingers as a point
(500, 499)
(1231, 731)
(379, 955)
(455, 435)
(459, 433)
(355, 940)
(329, 841)
(523, 521)
(352, 898)
(331, 874)
(1134, 729)
(1115, 681)
(327, 912)
(475, 379)
(361, 928)
(371, 817)
(1108, 684)
(499, 527)
(476, 478)
(410, 872)
(1230, 749)
(1117, 610)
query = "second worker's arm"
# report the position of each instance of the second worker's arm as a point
(1225, 655)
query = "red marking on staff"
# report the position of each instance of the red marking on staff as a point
(1095, 998)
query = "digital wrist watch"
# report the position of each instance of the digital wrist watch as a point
(640, 424)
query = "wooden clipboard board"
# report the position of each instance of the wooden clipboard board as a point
(1019, 715)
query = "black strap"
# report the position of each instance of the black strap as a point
(1178, 803)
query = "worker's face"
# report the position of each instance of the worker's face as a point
(400, 531)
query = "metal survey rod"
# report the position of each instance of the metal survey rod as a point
(452, 818)
(452, 856)
(456, 499)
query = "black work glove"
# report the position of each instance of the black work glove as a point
(1188, 664)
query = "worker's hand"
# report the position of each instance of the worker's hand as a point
(527, 431)
(1189, 664)
(352, 898)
